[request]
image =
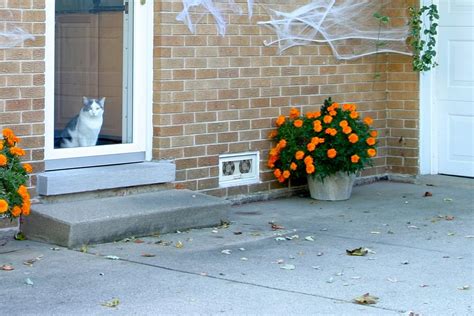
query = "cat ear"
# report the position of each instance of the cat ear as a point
(102, 102)
(85, 100)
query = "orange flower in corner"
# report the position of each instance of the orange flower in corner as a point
(3, 206)
(310, 169)
(298, 123)
(281, 144)
(331, 153)
(3, 160)
(27, 167)
(347, 130)
(368, 120)
(317, 127)
(371, 152)
(327, 119)
(277, 173)
(16, 211)
(370, 141)
(355, 158)
(343, 123)
(280, 120)
(293, 166)
(294, 113)
(286, 174)
(299, 155)
(17, 151)
(354, 115)
(374, 133)
(353, 138)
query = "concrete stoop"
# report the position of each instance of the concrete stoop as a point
(76, 223)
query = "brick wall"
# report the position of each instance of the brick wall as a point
(216, 95)
(22, 80)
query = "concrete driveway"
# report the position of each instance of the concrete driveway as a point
(419, 259)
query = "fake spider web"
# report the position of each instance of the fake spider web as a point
(13, 37)
(349, 27)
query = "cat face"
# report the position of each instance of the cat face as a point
(93, 106)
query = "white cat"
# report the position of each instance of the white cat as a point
(83, 130)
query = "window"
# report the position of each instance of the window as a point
(98, 91)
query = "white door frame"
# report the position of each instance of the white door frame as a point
(428, 151)
(142, 90)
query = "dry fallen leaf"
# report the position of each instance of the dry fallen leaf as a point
(163, 243)
(366, 299)
(361, 251)
(30, 262)
(148, 255)
(427, 193)
(449, 217)
(112, 303)
(276, 226)
(7, 267)
(237, 233)
(179, 244)
(138, 241)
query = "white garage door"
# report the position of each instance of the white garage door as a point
(454, 93)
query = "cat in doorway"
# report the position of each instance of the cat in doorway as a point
(83, 130)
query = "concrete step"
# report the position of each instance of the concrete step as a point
(77, 223)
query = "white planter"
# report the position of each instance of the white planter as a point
(336, 187)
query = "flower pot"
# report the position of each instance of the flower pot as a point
(336, 187)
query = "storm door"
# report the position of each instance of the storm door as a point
(94, 102)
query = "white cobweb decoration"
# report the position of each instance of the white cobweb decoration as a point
(195, 10)
(13, 37)
(348, 26)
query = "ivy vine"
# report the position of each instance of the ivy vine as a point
(423, 39)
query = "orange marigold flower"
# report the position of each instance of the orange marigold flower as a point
(271, 161)
(370, 141)
(1, 145)
(355, 158)
(371, 152)
(374, 133)
(25, 209)
(368, 120)
(310, 169)
(16, 211)
(335, 105)
(299, 155)
(311, 146)
(293, 166)
(346, 107)
(331, 131)
(332, 113)
(286, 174)
(277, 173)
(273, 134)
(281, 179)
(28, 168)
(280, 120)
(8, 133)
(23, 191)
(343, 123)
(332, 153)
(282, 143)
(317, 114)
(298, 123)
(354, 115)
(347, 130)
(327, 119)
(3, 160)
(315, 140)
(17, 151)
(321, 140)
(3, 206)
(317, 127)
(310, 115)
(353, 138)
(308, 160)
(294, 113)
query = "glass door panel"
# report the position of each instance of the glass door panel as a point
(93, 58)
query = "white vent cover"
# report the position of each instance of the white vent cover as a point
(237, 169)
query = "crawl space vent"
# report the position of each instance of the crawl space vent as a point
(237, 169)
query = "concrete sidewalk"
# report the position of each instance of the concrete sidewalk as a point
(420, 260)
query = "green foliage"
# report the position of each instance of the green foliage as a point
(423, 40)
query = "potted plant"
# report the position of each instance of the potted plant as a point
(329, 147)
(14, 196)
